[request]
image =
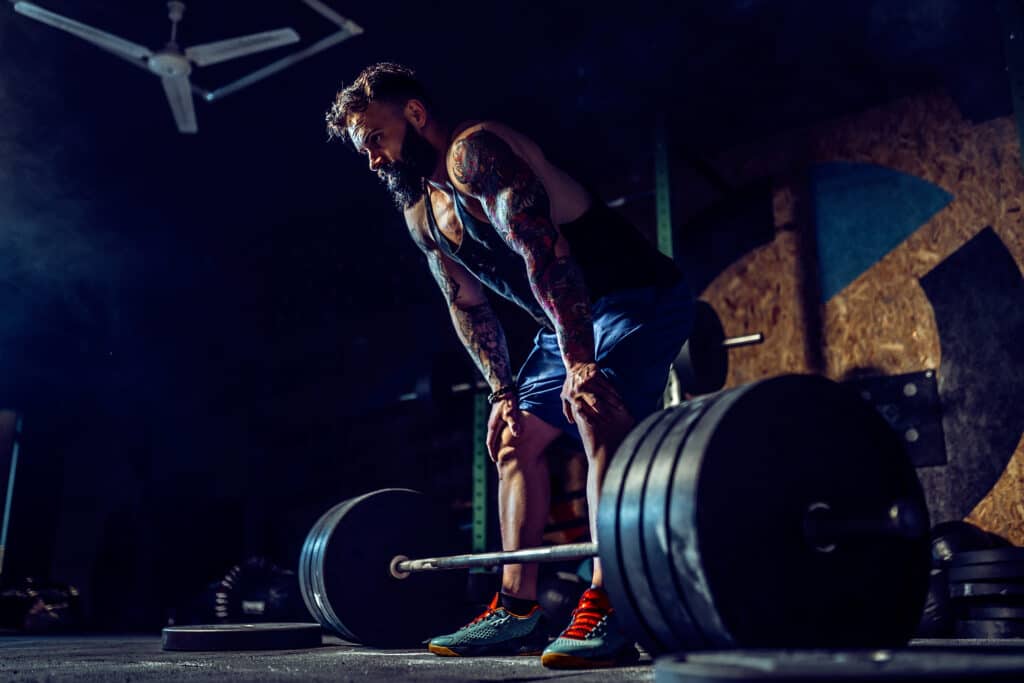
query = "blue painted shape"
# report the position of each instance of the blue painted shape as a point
(862, 212)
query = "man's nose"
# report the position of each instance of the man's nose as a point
(376, 162)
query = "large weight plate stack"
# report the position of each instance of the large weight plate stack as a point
(344, 570)
(701, 523)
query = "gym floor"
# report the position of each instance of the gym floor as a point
(140, 658)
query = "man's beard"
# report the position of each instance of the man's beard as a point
(404, 177)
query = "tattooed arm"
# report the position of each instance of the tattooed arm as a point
(484, 166)
(472, 315)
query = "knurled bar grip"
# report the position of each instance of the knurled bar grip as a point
(402, 566)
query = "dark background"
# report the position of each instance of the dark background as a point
(204, 332)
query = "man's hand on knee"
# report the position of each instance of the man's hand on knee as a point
(504, 412)
(590, 396)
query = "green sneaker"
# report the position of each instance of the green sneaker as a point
(593, 638)
(495, 632)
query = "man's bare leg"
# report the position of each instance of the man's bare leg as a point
(524, 499)
(600, 441)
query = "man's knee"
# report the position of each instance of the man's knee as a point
(526, 447)
(602, 433)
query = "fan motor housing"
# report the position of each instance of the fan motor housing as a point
(169, 65)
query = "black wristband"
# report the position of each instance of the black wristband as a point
(502, 392)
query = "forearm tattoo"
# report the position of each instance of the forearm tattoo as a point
(517, 204)
(477, 327)
(483, 337)
(449, 287)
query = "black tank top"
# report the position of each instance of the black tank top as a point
(612, 254)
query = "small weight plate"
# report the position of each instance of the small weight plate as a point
(990, 628)
(969, 590)
(242, 637)
(989, 612)
(987, 572)
(857, 666)
(992, 556)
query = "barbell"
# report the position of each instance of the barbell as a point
(783, 513)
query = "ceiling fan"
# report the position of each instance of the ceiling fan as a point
(172, 64)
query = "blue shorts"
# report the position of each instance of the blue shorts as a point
(638, 333)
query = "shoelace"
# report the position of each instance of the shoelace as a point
(486, 614)
(584, 618)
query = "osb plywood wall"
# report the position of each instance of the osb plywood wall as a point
(883, 319)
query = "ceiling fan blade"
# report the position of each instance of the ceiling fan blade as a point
(196, 90)
(280, 64)
(332, 16)
(212, 53)
(108, 41)
(179, 96)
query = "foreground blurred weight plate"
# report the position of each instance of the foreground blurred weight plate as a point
(847, 667)
(345, 570)
(1002, 592)
(991, 628)
(704, 527)
(242, 637)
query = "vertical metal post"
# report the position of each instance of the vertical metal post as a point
(1012, 14)
(481, 412)
(672, 395)
(662, 187)
(10, 492)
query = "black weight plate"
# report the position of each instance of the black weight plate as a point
(654, 525)
(306, 563)
(755, 463)
(359, 592)
(631, 538)
(989, 628)
(847, 667)
(268, 636)
(993, 556)
(643, 509)
(703, 362)
(987, 572)
(316, 569)
(974, 590)
(610, 512)
(991, 612)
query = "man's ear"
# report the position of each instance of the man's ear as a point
(415, 113)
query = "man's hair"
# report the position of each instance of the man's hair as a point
(381, 82)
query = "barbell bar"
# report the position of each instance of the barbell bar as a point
(822, 528)
(401, 566)
(743, 340)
